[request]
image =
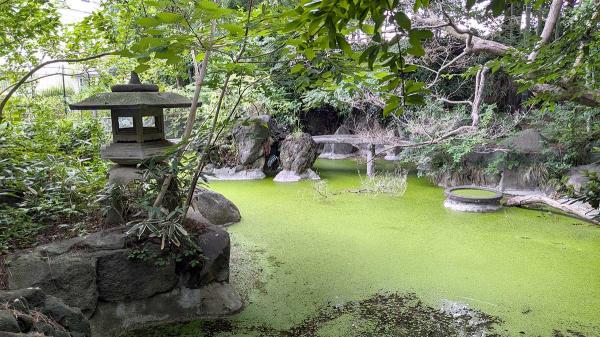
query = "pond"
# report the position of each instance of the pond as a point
(295, 253)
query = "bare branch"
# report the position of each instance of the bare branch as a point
(454, 60)
(445, 100)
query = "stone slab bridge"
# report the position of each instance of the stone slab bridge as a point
(365, 142)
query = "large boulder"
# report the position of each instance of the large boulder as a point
(339, 151)
(251, 138)
(215, 207)
(527, 141)
(122, 278)
(215, 246)
(252, 143)
(298, 154)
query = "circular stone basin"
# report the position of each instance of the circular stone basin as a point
(472, 199)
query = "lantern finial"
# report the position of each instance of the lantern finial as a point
(135, 78)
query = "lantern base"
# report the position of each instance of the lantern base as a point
(134, 153)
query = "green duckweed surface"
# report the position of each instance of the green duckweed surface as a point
(538, 272)
(473, 193)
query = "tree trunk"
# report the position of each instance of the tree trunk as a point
(528, 200)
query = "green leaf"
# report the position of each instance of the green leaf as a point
(416, 49)
(297, 68)
(314, 26)
(331, 32)
(402, 20)
(343, 44)
(233, 28)
(141, 68)
(414, 100)
(372, 57)
(392, 104)
(415, 36)
(420, 4)
(413, 87)
(149, 42)
(147, 22)
(200, 57)
(368, 29)
(420, 34)
(167, 17)
(212, 10)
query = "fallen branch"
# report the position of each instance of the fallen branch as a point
(528, 200)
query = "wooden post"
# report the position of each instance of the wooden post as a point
(371, 161)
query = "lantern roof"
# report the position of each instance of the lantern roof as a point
(133, 95)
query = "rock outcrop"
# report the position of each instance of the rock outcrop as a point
(30, 310)
(120, 283)
(251, 140)
(527, 141)
(298, 154)
(215, 208)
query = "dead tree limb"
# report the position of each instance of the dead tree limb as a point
(538, 199)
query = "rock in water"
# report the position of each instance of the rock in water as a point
(251, 138)
(286, 176)
(298, 154)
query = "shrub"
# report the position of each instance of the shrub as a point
(385, 183)
(50, 172)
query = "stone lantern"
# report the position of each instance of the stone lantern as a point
(138, 123)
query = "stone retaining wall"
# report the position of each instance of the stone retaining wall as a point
(120, 284)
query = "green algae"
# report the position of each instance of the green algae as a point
(473, 193)
(539, 272)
